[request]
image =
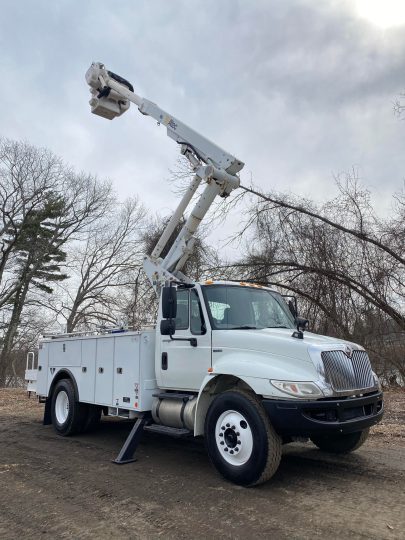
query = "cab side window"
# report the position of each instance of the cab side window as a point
(197, 324)
(182, 309)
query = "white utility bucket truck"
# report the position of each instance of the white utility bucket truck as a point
(228, 361)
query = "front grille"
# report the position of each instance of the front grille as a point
(345, 373)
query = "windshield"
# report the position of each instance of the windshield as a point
(231, 307)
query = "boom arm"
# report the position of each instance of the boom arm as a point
(111, 97)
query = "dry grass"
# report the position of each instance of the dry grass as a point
(15, 402)
(392, 427)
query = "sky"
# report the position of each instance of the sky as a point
(299, 90)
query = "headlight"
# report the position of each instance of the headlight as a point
(377, 381)
(298, 389)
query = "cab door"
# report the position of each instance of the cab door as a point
(182, 366)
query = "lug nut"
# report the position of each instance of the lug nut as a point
(222, 442)
(226, 449)
(237, 433)
(231, 452)
(221, 434)
(228, 425)
(238, 442)
(236, 449)
(223, 428)
(233, 427)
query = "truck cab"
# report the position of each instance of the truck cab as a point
(242, 337)
(247, 330)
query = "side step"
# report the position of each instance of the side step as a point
(166, 430)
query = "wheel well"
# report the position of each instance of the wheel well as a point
(63, 374)
(217, 385)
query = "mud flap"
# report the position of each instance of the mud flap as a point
(47, 412)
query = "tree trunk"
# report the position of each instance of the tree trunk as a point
(10, 334)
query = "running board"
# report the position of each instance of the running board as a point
(167, 430)
(174, 395)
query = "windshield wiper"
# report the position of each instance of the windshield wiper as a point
(277, 326)
(244, 327)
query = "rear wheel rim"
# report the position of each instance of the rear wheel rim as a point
(62, 407)
(234, 438)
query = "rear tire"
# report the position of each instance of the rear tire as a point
(68, 415)
(342, 443)
(241, 443)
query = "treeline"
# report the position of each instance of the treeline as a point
(71, 259)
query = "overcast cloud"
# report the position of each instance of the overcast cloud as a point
(298, 90)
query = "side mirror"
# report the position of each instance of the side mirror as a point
(167, 327)
(169, 312)
(302, 324)
(169, 302)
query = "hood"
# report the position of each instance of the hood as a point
(277, 341)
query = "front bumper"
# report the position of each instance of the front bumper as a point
(307, 418)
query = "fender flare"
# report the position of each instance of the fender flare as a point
(220, 382)
(63, 373)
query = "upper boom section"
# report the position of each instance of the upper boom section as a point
(112, 96)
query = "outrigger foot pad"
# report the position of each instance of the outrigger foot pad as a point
(126, 454)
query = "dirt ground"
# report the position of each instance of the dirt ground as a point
(55, 487)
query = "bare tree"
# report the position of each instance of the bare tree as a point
(32, 324)
(100, 266)
(399, 105)
(343, 240)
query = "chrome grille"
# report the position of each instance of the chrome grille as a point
(345, 373)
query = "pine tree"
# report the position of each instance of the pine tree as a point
(38, 264)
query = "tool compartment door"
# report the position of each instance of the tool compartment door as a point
(65, 353)
(126, 370)
(88, 372)
(42, 377)
(104, 371)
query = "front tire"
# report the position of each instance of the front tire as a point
(341, 443)
(68, 415)
(241, 443)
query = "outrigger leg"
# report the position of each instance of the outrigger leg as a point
(126, 454)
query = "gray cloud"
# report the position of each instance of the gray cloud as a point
(299, 90)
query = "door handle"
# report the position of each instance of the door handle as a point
(164, 360)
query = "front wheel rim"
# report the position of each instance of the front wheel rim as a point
(234, 438)
(62, 407)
